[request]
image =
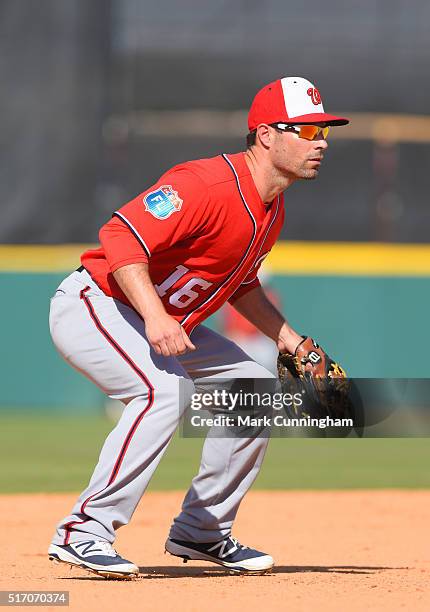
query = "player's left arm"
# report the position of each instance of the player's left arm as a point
(259, 310)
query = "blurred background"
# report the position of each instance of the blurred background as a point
(100, 98)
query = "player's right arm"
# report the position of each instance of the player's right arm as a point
(135, 233)
(164, 333)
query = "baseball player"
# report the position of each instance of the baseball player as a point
(131, 320)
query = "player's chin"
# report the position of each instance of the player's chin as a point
(310, 174)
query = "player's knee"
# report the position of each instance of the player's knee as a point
(176, 393)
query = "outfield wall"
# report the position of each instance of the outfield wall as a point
(367, 304)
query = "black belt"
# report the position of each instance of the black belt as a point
(83, 269)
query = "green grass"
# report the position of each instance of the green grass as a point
(51, 453)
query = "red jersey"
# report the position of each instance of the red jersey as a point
(203, 230)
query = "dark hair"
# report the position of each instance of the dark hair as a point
(251, 139)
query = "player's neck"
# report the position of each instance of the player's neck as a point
(268, 181)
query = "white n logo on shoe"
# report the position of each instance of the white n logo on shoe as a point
(222, 546)
(85, 548)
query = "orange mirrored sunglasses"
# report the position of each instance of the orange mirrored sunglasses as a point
(309, 132)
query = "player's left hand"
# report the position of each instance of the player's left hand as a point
(288, 339)
(311, 371)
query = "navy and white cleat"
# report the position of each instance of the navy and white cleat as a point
(97, 556)
(228, 552)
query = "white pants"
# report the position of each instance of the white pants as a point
(105, 340)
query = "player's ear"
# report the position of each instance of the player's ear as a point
(264, 135)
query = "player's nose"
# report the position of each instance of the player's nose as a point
(321, 144)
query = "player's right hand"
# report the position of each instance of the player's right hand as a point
(167, 337)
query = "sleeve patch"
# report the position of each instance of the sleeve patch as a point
(162, 202)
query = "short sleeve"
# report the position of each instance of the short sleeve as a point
(120, 245)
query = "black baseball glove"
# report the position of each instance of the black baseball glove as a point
(321, 383)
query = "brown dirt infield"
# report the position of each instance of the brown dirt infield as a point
(334, 550)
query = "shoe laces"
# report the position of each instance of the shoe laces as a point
(237, 543)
